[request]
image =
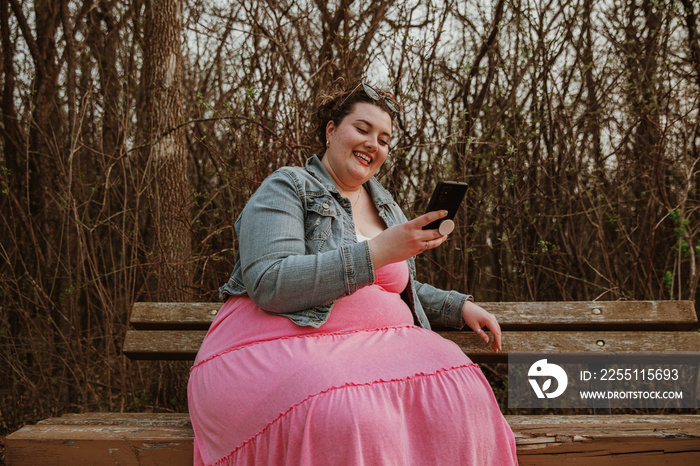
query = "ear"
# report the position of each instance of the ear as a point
(330, 128)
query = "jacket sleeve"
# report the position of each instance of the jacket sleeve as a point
(441, 307)
(277, 273)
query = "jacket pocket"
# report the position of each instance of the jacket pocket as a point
(322, 215)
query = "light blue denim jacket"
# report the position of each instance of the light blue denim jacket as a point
(298, 251)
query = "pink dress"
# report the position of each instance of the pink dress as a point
(368, 387)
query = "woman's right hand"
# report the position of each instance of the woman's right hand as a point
(406, 240)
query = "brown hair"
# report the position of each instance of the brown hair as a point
(336, 105)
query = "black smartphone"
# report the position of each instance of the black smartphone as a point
(448, 195)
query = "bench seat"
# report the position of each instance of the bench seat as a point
(155, 439)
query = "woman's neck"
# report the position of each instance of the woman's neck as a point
(348, 191)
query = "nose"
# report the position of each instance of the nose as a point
(372, 142)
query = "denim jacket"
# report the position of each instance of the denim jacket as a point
(299, 253)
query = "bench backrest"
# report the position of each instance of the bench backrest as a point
(176, 330)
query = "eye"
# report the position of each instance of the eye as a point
(362, 130)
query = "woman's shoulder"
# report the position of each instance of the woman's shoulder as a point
(288, 179)
(301, 177)
(291, 172)
(285, 175)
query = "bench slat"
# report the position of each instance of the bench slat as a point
(130, 439)
(195, 316)
(595, 315)
(604, 439)
(170, 345)
(570, 315)
(44, 444)
(121, 419)
(184, 344)
(602, 342)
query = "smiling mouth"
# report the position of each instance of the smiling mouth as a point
(363, 157)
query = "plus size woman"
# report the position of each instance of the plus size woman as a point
(322, 352)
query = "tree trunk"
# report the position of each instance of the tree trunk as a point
(164, 154)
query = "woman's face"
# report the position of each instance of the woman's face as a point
(358, 146)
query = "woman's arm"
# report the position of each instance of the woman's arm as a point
(455, 310)
(440, 306)
(278, 274)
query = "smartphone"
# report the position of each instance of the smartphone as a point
(448, 195)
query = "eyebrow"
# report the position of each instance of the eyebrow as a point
(371, 125)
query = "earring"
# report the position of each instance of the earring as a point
(328, 142)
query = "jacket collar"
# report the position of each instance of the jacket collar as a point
(315, 167)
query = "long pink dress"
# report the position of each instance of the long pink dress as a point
(368, 387)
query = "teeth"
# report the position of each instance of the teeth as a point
(363, 157)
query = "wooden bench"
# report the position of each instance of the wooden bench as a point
(175, 332)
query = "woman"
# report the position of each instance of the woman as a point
(322, 352)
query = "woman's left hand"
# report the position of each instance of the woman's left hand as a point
(476, 317)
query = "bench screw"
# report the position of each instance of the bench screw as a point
(596, 311)
(213, 312)
(600, 343)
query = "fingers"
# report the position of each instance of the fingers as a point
(427, 239)
(495, 329)
(399, 242)
(484, 336)
(433, 243)
(487, 321)
(436, 236)
(429, 217)
(496, 344)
